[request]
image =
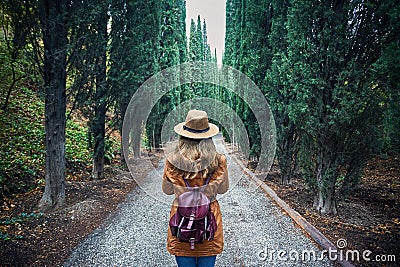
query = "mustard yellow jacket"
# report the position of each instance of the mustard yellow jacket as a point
(173, 183)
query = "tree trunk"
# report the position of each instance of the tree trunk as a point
(287, 153)
(285, 176)
(125, 140)
(100, 101)
(285, 162)
(99, 143)
(135, 131)
(329, 206)
(325, 202)
(135, 139)
(11, 87)
(52, 18)
(324, 197)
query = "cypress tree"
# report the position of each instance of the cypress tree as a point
(200, 40)
(97, 125)
(169, 54)
(247, 49)
(279, 94)
(194, 45)
(331, 52)
(133, 54)
(55, 61)
(195, 48)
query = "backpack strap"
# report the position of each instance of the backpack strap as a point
(207, 180)
(186, 182)
(205, 183)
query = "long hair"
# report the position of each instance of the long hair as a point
(194, 156)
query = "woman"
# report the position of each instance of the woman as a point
(195, 159)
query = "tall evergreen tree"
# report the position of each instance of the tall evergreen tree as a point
(181, 30)
(247, 49)
(20, 26)
(232, 33)
(196, 54)
(53, 20)
(324, 81)
(97, 125)
(336, 101)
(133, 54)
(88, 70)
(280, 94)
(231, 50)
(172, 51)
(194, 43)
(200, 39)
(206, 45)
(214, 56)
(199, 48)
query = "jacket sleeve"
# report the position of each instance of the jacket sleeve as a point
(224, 185)
(167, 185)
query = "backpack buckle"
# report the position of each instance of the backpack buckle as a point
(191, 220)
(192, 240)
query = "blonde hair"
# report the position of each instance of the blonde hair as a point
(194, 156)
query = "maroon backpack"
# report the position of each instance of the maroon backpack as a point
(193, 222)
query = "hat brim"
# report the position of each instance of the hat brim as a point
(214, 130)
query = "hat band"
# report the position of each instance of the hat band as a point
(194, 130)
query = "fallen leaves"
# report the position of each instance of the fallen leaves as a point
(48, 239)
(368, 219)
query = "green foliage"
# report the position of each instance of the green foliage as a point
(335, 100)
(134, 50)
(330, 71)
(172, 50)
(5, 236)
(280, 94)
(111, 148)
(247, 48)
(390, 138)
(387, 70)
(21, 218)
(76, 148)
(195, 42)
(24, 217)
(22, 155)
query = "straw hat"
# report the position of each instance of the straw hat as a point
(196, 126)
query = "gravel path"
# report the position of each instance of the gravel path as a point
(254, 228)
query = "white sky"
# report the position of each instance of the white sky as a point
(213, 11)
